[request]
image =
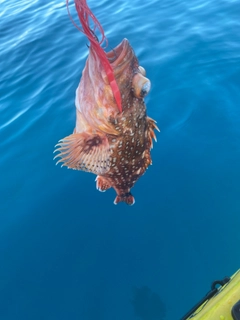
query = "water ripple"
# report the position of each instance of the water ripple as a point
(186, 47)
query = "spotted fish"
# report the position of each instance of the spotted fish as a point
(112, 138)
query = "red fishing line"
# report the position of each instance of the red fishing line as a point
(84, 14)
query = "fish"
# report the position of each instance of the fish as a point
(113, 135)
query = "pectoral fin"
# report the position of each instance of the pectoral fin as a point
(86, 152)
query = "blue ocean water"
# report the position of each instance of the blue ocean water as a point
(66, 252)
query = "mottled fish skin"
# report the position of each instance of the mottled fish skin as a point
(114, 146)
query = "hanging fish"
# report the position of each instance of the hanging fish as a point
(113, 135)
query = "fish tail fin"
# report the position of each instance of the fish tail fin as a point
(84, 14)
(126, 197)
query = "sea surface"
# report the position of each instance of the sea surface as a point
(66, 251)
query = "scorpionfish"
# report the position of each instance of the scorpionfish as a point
(112, 139)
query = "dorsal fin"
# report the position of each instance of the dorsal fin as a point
(84, 13)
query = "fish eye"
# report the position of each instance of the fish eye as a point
(141, 85)
(145, 89)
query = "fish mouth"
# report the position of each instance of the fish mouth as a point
(120, 55)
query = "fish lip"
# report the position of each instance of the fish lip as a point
(117, 54)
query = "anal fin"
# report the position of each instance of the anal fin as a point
(102, 184)
(83, 151)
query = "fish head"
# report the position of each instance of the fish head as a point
(129, 75)
(95, 101)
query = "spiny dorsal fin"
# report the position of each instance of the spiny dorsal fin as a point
(84, 13)
(151, 126)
